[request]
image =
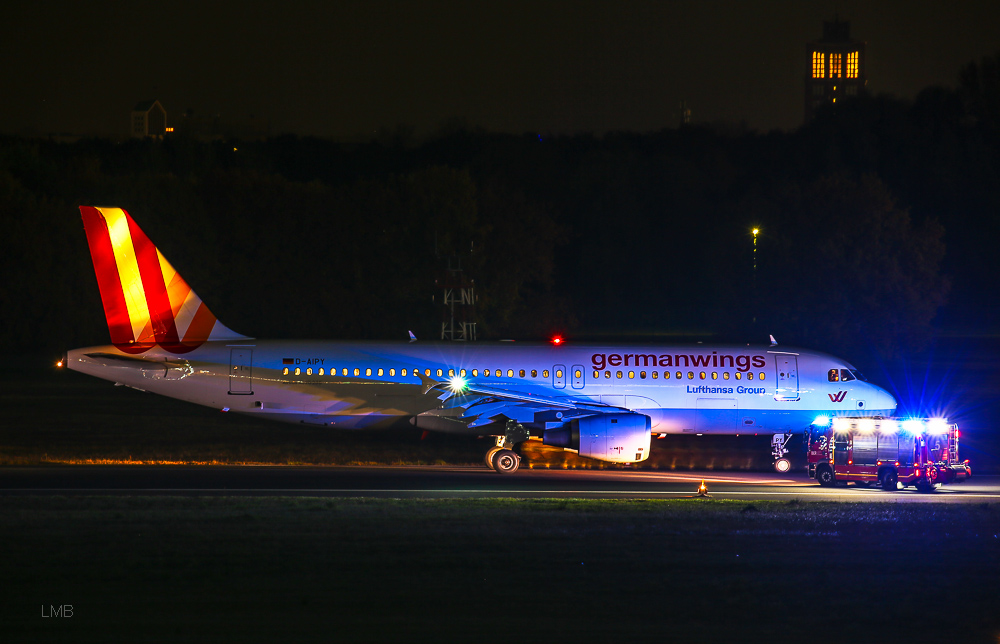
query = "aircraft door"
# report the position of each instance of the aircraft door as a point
(579, 376)
(559, 376)
(787, 368)
(241, 371)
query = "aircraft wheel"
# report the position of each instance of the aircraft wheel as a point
(489, 457)
(506, 461)
(824, 476)
(782, 465)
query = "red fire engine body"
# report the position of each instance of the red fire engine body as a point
(887, 451)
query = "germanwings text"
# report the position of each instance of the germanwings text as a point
(740, 363)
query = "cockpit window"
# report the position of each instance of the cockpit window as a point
(846, 375)
(858, 375)
(834, 375)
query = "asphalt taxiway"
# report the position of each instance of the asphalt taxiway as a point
(455, 482)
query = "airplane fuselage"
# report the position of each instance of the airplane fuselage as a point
(358, 385)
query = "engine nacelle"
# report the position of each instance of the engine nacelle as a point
(618, 438)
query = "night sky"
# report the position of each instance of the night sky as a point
(348, 69)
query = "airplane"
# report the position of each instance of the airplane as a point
(601, 401)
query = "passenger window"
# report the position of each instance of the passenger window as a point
(309, 371)
(475, 373)
(510, 373)
(403, 372)
(618, 374)
(392, 372)
(521, 373)
(357, 372)
(701, 376)
(739, 375)
(486, 372)
(655, 376)
(298, 372)
(597, 374)
(749, 375)
(642, 375)
(680, 376)
(577, 374)
(725, 375)
(631, 374)
(690, 375)
(666, 375)
(381, 371)
(427, 372)
(715, 376)
(834, 375)
(534, 373)
(545, 373)
(760, 376)
(345, 371)
(607, 374)
(285, 371)
(559, 373)
(463, 373)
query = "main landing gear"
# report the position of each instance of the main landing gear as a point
(502, 458)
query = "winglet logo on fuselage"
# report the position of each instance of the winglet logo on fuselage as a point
(146, 301)
(837, 397)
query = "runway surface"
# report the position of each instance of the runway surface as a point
(455, 482)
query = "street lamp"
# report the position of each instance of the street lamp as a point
(755, 231)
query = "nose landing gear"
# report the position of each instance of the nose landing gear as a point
(778, 451)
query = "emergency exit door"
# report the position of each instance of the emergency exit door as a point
(787, 369)
(241, 371)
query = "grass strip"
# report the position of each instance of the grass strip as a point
(490, 570)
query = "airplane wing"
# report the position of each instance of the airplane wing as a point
(483, 404)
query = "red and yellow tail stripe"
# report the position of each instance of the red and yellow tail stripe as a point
(146, 301)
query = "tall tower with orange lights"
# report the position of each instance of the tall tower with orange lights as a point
(835, 67)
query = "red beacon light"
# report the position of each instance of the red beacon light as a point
(556, 339)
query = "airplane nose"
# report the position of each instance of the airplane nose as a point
(885, 400)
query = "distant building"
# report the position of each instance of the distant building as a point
(835, 67)
(149, 119)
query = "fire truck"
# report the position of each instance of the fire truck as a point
(922, 452)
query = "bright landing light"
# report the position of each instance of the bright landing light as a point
(822, 421)
(457, 384)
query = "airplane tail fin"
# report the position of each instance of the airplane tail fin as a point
(146, 302)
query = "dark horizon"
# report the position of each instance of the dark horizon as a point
(351, 71)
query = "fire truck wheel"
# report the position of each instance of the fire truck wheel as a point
(890, 481)
(824, 476)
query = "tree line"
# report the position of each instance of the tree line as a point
(622, 234)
